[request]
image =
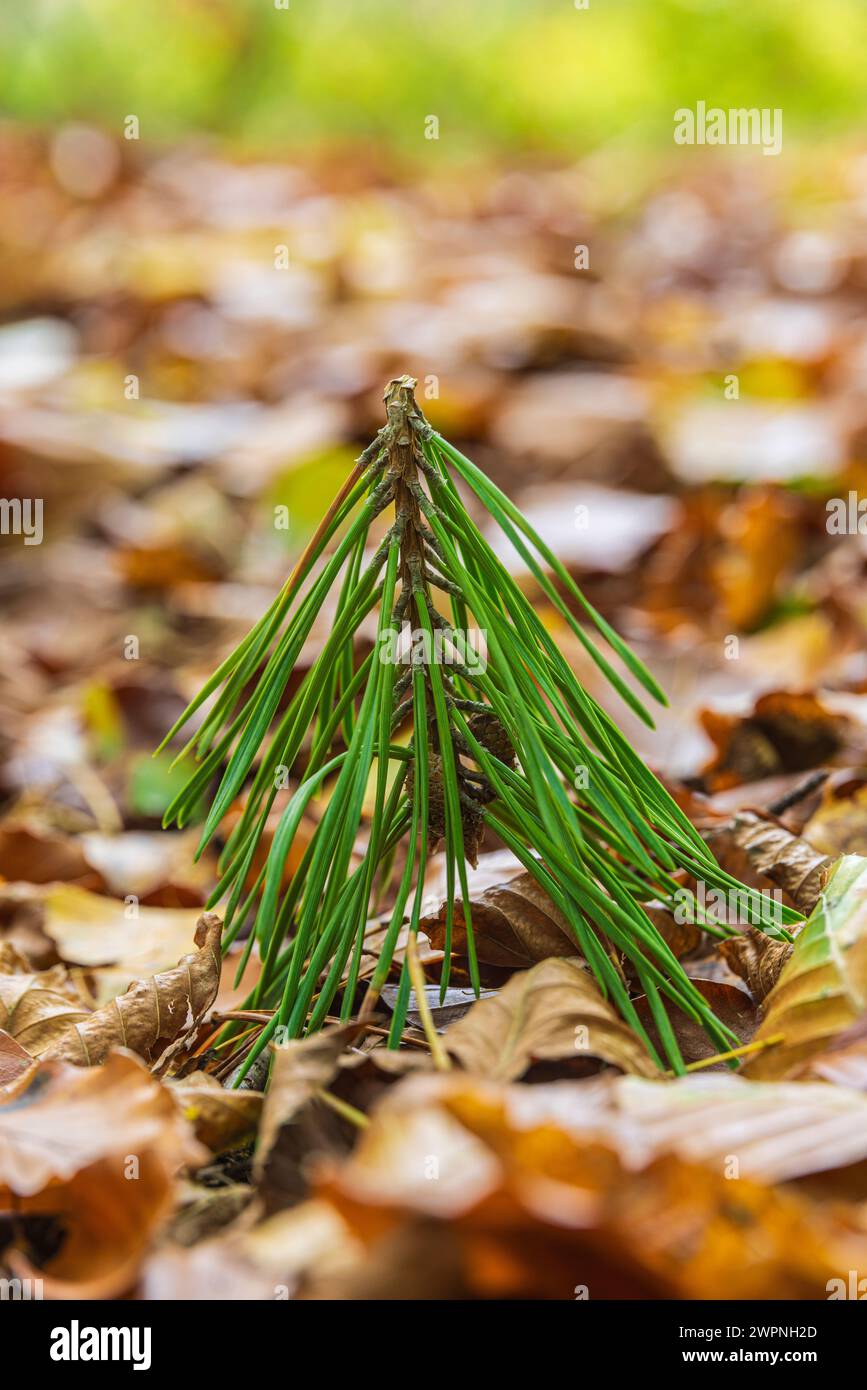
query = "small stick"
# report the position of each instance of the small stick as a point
(744, 1051)
(227, 1042)
(342, 1107)
(243, 1016)
(791, 798)
(439, 1056)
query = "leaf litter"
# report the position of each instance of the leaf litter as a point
(560, 1160)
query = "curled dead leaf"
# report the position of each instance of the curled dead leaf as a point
(296, 1124)
(756, 958)
(554, 1012)
(515, 924)
(784, 858)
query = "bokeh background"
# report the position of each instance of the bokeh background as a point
(196, 325)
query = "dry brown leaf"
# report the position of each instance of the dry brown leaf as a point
(554, 1012)
(39, 854)
(35, 1006)
(366, 1072)
(515, 924)
(822, 989)
(731, 1005)
(756, 958)
(769, 1132)
(296, 1124)
(784, 858)
(843, 1063)
(784, 732)
(839, 823)
(98, 1150)
(15, 1063)
(681, 938)
(222, 1119)
(152, 1014)
(99, 933)
(21, 917)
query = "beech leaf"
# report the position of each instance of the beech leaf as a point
(822, 989)
(551, 1013)
(36, 1007)
(564, 1198)
(222, 1119)
(66, 1144)
(296, 1124)
(153, 1013)
(784, 858)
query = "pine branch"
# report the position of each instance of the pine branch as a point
(499, 730)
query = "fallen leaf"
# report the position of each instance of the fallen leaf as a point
(844, 1061)
(732, 1006)
(783, 733)
(149, 865)
(222, 1119)
(97, 1149)
(554, 1012)
(21, 918)
(757, 959)
(15, 1063)
(768, 1132)
(839, 824)
(515, 924)
(456, 1003)
(537, 1211)
(784, 858)
(296, 1124)
(116, 941)
(36, 854)
(823, 987)
(36, 1006)
(152, 1014)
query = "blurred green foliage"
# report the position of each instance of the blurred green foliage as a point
(153, 783)
(305, 491)
(516, 75)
